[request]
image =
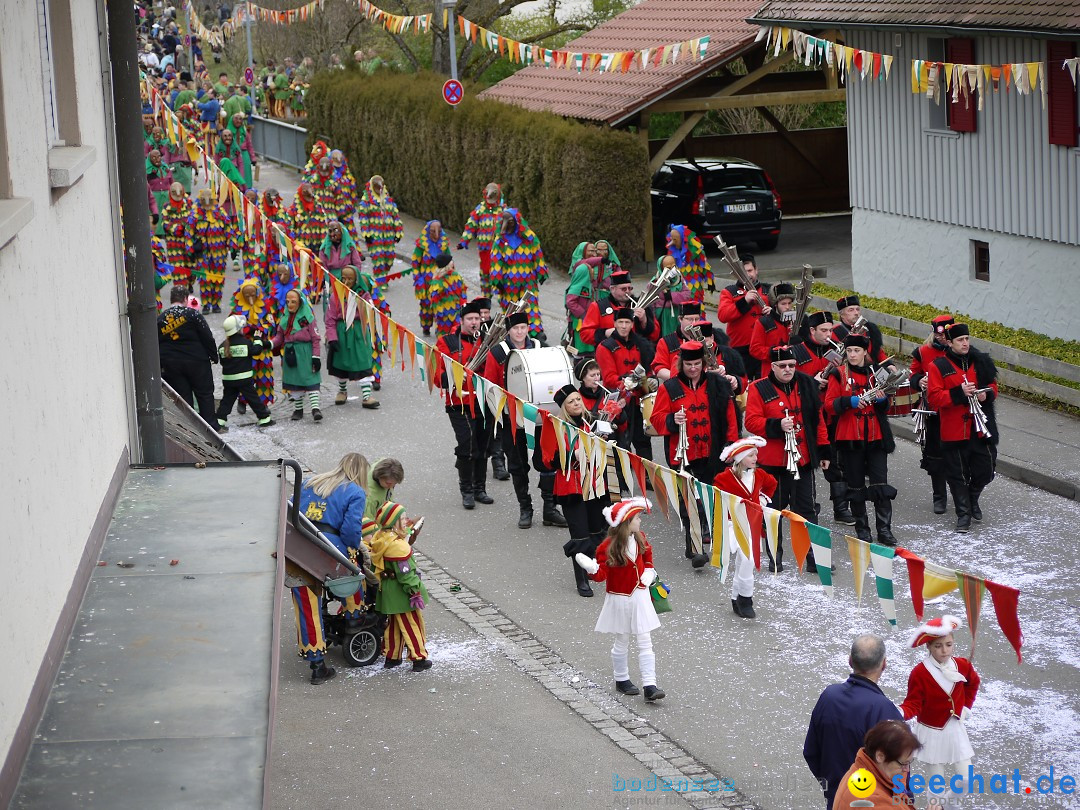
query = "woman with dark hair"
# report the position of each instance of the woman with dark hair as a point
(878, 777)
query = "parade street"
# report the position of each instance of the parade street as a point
(520, 703)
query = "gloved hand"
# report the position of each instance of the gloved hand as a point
(416, 601)
(316, 364)
(648, 577)
(965, 715)
(233, 253)
(462, 245)
(154, 219)
(854, 402)
(587, 564)
(711, 286)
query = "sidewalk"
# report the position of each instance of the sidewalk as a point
(1039, 447)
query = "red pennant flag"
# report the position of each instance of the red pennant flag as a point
(659, 489)
(512, 409)
(756, 517)
(549, 437)
(627, 60)
(800, 537)
(858, 60)
(1006, 602)
(915, 567)
(637, 466)
(877, 65)
(410, 340)
(402, 334)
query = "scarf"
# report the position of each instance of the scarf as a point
(289, 322)
(252, 312)
(281, 289)
(945, 674)
(156, 171)
(346, 246)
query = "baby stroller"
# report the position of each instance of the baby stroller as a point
(360, 638)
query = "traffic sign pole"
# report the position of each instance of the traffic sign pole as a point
(251, 57)
(451, 24)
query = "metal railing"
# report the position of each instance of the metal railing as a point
(279, 141)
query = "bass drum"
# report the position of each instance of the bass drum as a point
(647, 404)
(903, 401)
(534, 375)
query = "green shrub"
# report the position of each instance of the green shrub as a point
(571, 181)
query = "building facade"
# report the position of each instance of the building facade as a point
(67, 415)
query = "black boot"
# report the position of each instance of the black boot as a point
(811, 563)
(696, 560)
(480, 482)
(525, 516)
(498, 467)
(552, 515)
(941, 498)
(653, 693)
(321, 673)
(746, 607)
(626, 687)
(862, 521)
(582, 581)
(464, 468)
(976, 512)
(524, 499)
(961, 496)
(842, 514)
(777, 565)
(883, 521)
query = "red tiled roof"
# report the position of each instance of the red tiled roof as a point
(1022, 15)
(613, 97)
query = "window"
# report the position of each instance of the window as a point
(5, 177)
(1061, 95)
(980, 260)
(58, 72)
(938, 113)
(959, 115)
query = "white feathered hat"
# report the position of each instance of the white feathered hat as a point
(738, 450)
(625, 509)
(935, 628)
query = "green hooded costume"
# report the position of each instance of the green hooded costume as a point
(301, 376)
(352, 355)
(581, 284)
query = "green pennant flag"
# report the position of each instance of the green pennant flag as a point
(530, 415)
(972, 590)
(881, 557)
(821, 542)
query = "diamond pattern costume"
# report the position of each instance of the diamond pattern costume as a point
(518, 267)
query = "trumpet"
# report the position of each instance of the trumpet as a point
(860, 327)
(791, 448)
(978, 415)
(711, 363)
(683, 446)
(496, 331)
(886, 383)
(730, 257)
(658, 285)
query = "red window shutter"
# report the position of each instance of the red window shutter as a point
(1061, 95)
(961, 112)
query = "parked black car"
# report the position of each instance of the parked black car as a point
(728, 197)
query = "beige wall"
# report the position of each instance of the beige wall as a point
(64, 413)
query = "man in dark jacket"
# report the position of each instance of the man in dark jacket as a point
(845, 712)
(187, 349)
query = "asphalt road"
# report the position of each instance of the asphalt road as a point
(739, 692)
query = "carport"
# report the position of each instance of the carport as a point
(809, 167)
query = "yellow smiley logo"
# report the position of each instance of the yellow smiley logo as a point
(861, 783)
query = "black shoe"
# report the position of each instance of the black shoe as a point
(976, 512)
(746, 607)
(941, 505)
(582, 580)
(483, 497)
(963, 524)
(427, 331)
(421, 665)
(653, 693)
(843, 516)
(698, 561)
(206, 309)
(735, 608)
(525, 518)
(322, 673)
(316, 414)
(241, 407)
(498, 468)
(811, 566)
(216, 309)
(222, 428)
(776, 566)
(626, 688)
(390, 663)
(553, 517)
(376, 386)
(297, 416)
(467, 500)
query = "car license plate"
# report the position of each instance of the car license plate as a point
(740, 208)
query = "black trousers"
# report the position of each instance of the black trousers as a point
(932, 456)
(633, 438)
(970, 463)
(861, 463)
(471, 434)
(236, 388)
(798, 496)
(585, 522)
(194, 382)
(517, 459)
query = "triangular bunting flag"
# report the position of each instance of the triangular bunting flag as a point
(971, 591)
(1006, 603)
(821, 541)
(860, 561)
(882, 559)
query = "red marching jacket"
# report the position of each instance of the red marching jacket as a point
(854, 424)
(764, 484)
(767, 332)
(461, 349)
(704, 438)
(623, 579)
(667, 351)
(808, 357)
(765, 406)
(921, 359)
(943, 392)
(739, 314)
(927, 701)
(617, 358)
(600, 316)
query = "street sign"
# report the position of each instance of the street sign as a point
(249, 75)
(453, 92)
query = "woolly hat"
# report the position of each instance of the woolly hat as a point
(691, 350)
(781, 354)
(847, 301)
(231, 325)
(782, 290)
(862, 341)
(389, 514)
(934, 629)
(818, 318)
(561, 395)
(620, 277)
(516, 319)
(623, 314)
(624, 510)
(471, 308)
(690, 308)
(738, 450)
(956, 330)
(582, 367)
(368, 528)
(443, 259)
(941, 323)
(483, 303)
(705, 327)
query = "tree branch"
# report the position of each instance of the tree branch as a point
(405, 49)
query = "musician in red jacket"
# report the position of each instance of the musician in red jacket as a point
(739, 309)
(702, 406)
(787, 400)
(959, 385)
(922, 357)
(666, 360)
(618, 355)
(745, 479)
(667, 348)
(863, 440)
(599, 320)
(467, 416)
(774, 329)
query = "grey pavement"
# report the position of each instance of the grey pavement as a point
(508, 647)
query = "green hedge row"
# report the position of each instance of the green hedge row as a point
(570, 181)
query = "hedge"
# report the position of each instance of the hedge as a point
(571, 181)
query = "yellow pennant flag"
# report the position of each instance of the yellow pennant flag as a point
(739, 523)
(719, 531)
(772, 528)
(622, 458)
(392, 339)
(860, 561)
(457, 372)
(937, 581)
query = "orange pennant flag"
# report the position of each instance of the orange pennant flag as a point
(659, 488)
(800, 537)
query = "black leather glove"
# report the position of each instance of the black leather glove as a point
(316, 364)
(711, 287)
(154, 219)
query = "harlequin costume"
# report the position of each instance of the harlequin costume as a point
(273, 221)
(447, 293)
(939, 698)
(308, 220)
(431, 242)
(259, 323)
(163, 270)
(235, 154)
(402, 595)
(299, 331)
(211, 233)
(754, 485)
(380, 226)
(319, 150)
(347, 199)
(518, 267)
(690, 258)
(482, 224)
(174, 221)
(245, 152)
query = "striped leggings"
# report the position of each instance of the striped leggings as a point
(405, 630)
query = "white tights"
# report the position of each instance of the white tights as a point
(947, 799)
(620, 652)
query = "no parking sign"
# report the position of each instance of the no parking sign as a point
(453, 92)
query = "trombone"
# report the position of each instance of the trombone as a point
(494, 334)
